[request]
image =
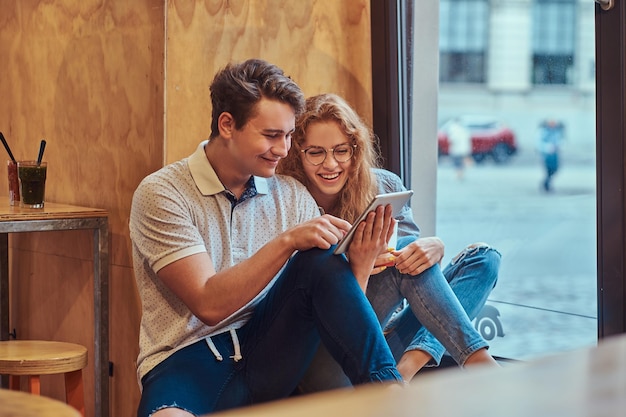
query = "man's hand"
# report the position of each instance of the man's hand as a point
(321, 232)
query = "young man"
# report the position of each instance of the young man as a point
(233, 266)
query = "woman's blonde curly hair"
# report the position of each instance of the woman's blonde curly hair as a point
(361, 185)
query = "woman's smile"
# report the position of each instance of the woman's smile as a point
(330, 176)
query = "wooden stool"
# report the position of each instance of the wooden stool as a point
(14, 404)
(33, 358)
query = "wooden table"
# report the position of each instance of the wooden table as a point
(584, 383)
(55, 217)
(20, 404)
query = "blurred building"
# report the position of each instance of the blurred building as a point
(521, 61)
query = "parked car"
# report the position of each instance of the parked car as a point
(490, 138)
(488, 322)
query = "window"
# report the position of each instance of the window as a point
(601, 298)
(545, 300)
(554, 22)
(463, 39)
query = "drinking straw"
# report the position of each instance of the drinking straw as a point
(42, 146)
(6, 146)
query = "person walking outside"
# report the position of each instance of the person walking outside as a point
(551, 133)
(460, 150)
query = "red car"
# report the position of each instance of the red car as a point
(490, 138)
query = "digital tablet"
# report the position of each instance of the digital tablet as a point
(397, 201)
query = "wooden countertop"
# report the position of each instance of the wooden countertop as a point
(48, 212)
(583, 383)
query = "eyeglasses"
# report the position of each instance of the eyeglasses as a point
(316, 155)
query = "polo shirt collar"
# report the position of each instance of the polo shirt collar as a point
(207, 180)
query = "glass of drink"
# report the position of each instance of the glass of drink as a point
(14, 184)
(32, 178)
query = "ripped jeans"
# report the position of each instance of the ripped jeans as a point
(441, 305)
(315, 298)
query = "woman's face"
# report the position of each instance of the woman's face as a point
(327, 179)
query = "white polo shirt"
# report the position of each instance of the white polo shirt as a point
(182, 210)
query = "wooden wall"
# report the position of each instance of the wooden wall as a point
(323, 45)
(118, 88)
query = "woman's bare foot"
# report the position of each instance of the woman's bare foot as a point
(411, 362)
(480, 357)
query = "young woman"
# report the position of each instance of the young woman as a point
(336, 156)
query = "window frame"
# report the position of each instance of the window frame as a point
(391, 26)
(611, 168)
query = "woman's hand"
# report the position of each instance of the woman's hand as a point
(419, 255)
(370, 240)
(383, 261)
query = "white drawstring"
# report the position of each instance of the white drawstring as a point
(236, 357)
(214, 349)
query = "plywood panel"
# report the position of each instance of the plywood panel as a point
(323, 45)
(86, 75)
(52, 301)
(124, 331)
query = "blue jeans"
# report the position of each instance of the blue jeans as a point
(441, 305)
(315, 298)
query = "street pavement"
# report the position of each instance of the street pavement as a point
(546, 290)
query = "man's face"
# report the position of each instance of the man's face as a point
(265, 139)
